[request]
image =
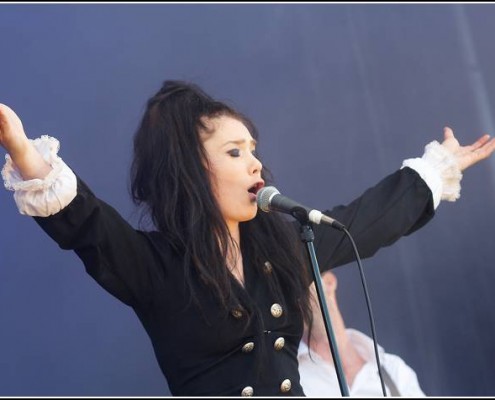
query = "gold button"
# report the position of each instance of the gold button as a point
(248, 347)
(276, 310)
(285, 386)
(267, 267)
(279, 343)
(237, 313)
(248, 391)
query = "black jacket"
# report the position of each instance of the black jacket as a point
(203, 351)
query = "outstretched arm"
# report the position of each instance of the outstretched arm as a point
(400, 203)
(26, 158)
(117, 256)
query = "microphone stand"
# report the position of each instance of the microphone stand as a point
(307, 236)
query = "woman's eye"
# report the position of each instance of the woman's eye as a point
(234, 152)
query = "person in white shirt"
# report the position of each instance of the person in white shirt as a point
(356, 352)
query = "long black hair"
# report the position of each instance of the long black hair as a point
(169, 177)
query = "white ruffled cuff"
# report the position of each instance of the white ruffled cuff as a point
(42, 197)
(439, 170)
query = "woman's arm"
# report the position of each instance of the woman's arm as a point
(402, 202)
(118, 257)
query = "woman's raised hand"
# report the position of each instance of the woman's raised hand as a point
(470, 154)
(14, 140)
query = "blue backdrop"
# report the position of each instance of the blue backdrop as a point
(341, 94)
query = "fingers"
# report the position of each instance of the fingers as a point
(2, 113)
(4, 110)
(472, 155)
(5, 115)
(486, 148)
(448, 133)
(483, 147)
(480, 142)
(330, 280)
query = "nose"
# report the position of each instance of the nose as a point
(256, 165)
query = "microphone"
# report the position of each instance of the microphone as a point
(270, 199)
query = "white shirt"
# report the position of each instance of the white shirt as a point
(319, 377)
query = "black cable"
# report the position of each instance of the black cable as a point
(370, 312)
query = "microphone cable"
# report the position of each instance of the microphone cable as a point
(370, 312)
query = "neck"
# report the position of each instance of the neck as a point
(234, 256)
(234, 231)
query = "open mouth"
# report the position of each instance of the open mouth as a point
(256, 187)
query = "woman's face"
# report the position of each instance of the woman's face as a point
(235, 172)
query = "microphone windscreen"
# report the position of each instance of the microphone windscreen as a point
(264, 196)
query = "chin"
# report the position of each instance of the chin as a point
(249, 216)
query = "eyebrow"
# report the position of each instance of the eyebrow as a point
(240, 141)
